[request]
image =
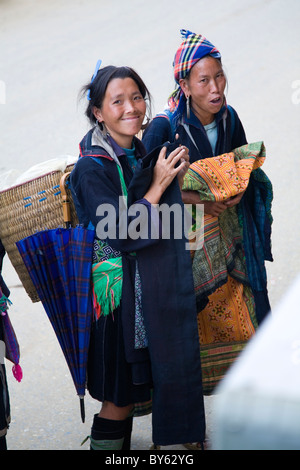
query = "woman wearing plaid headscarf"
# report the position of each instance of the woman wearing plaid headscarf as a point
(230, 284)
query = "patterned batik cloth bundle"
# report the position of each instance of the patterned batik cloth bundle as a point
(217, 179)
(226, 318)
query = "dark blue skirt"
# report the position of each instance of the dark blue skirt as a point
(110, 376)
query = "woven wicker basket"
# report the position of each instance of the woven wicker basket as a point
(28, 208)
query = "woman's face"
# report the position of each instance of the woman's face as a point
(123, 110)
(205, 85)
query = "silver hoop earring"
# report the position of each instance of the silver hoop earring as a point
(188, 112)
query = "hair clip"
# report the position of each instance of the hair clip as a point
(98, 65)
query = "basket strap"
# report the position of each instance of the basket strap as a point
(65, 198)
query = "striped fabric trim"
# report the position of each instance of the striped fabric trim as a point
(215, 362)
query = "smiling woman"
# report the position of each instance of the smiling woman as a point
(122, 369)
(123, 110)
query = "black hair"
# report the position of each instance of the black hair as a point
(97, 88)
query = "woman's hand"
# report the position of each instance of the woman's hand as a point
(165, 171)
(211, 207)
(214, 208)
(185, 159)
(233, 201)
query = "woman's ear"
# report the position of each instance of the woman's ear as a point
(184, 86)
(97, 114)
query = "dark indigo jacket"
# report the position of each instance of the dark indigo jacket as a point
(169, 306)
(231, 135)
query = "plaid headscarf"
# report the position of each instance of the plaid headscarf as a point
(192, 49)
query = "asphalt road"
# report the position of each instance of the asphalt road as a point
(48, 51)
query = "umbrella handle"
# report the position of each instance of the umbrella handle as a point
(82, 408)
(65, 199)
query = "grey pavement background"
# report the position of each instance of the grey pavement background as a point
(48, 51)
